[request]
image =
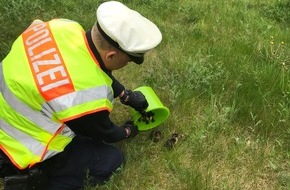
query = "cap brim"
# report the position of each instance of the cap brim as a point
(137, 60)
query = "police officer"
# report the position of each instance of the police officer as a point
(57, 92)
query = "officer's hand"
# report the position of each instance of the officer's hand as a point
(131, 129)
(136, 100)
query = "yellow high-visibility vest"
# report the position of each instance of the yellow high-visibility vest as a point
(50, 76)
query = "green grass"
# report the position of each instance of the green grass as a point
(223, 71)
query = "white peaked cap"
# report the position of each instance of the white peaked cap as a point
(127, 29)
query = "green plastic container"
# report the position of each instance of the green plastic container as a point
(160, 112)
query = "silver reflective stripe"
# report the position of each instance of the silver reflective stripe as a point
(34, 146)
(40, 119)
(77, 98)
(66, 132)
(36, 117)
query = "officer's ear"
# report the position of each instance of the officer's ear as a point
(111, 55)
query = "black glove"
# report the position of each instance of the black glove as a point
(131, 129)
(136, 100)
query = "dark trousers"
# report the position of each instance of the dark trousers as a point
(82, 158)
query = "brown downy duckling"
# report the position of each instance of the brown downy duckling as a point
(156, 135)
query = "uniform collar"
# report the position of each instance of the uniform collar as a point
(95, 51)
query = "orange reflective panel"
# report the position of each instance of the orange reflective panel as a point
(47, 66)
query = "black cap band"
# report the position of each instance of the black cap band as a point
(137, 57)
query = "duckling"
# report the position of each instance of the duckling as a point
(156, 135)
(170, 143)
(147, 118)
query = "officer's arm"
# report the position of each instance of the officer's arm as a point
(98, 126)
(118, 88)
